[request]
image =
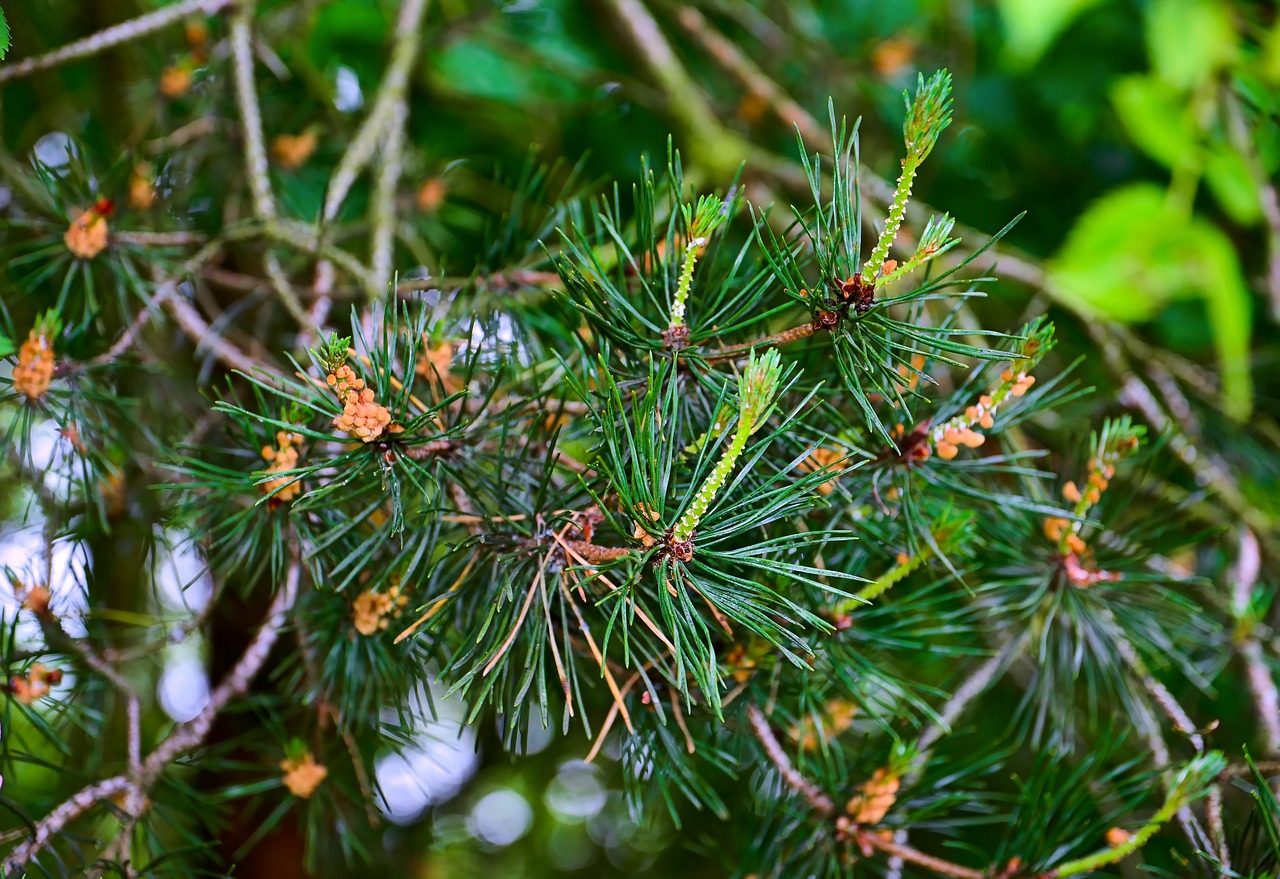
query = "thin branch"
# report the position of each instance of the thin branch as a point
(124, 32)
(255, 149)
(199, 331)
(919, 858)
(64, 814)
(1262, 685)
(382, 239)
(389, 101)
(191, 734)
(793, 779)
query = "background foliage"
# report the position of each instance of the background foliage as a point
(1141, 139)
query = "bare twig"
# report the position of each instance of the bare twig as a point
(919, 858)
(1262, 685)
(185, 738)
(199, 331)
(192, 733)
(124, 32)
(384, 204)
(255, 152)
(64, 814)
(1168, 704)
(793, 779)
(255, 148)
(387, 104)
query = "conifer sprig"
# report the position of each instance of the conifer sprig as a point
(757, 390)
(927, 115)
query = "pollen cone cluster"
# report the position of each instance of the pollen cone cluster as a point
(874, 799)
(34, 372)
(302, 775)
(362, 416)
(372, 611)
(282, 458)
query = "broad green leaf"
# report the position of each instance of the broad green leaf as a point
(1189, 40)
(1230, 311)
(1271, 53)
(1157, 119)
(1031, 26)
(1132, 253)
(1233, 185)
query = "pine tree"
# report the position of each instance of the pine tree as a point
(737, 502)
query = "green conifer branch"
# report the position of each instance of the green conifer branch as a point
(927, 116)
(1190, 784)
(756, 389)
(700, 221)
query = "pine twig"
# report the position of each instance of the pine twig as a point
(255, 149)
(1262, 685)
(793, 779)
(785, 337)
(115, 35)
(199, 331)
(69, 810)
(185, 738)
(382, 239)
(914, 856)
(389, 102)
(191, 734)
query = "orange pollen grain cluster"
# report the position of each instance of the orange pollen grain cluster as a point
(283, 457)
(176, 80)
(838, 716)
(372, 611)
(87, 235)
(35, 684)
(874, 799)
(1058, 529)
(293, 150)
(33, 598)
(825, 459)
(741, 665)
(303, 775)
(362, 416)
(948, 438)
(142, 187)
(34, 372)
(1118, 836)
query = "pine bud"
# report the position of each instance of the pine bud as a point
(87, 235)
(34, 371)
(302, 775)
(874, 799)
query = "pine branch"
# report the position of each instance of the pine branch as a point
(384, 204)
(246, 92)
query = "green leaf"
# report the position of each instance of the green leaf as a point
(1230, 181)
(1189, 40)
(5, 41)
(1157, 119)
(1132, 253)
(1031, 26)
